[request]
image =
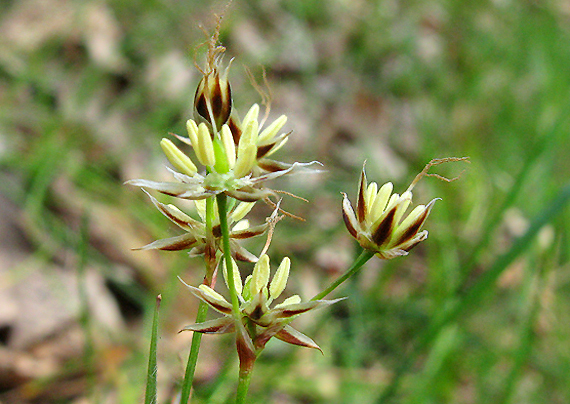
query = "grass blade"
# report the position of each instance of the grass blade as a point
(150, 394)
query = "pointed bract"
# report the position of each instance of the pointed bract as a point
(245, 348)
(221, 325)
(292, 336)
(178, 243)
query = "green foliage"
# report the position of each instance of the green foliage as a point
(152, 370)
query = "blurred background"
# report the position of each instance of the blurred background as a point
(479, 313)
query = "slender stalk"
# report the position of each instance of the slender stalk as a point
(200, 316)
(193, 356)
(243, 386)
(222, 210)
(244, 374)
(356, 266)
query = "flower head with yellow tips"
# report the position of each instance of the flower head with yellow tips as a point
(256, 295)
(379, 225)
(234, 153)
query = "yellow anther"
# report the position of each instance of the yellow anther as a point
(271, 131)
(260, 275)
(177, 158)
(279, 280)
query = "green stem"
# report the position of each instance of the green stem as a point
(243, 386)
(209, 216)
(356, 266)
(222, 210)
(193, 356)
(244, 374)
(200, 316)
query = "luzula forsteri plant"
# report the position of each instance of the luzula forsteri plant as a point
(234, 156)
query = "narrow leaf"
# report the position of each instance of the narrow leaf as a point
(150, 394)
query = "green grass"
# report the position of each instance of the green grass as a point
(477, 314)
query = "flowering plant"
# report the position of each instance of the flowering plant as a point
(236, 167)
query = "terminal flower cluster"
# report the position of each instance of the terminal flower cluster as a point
(235, 155)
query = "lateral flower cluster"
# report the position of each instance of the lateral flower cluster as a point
(379, 223)
(256, 295)
(196, 237)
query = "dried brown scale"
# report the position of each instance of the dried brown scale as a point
(272, 166)
(218, 326)
(177, 243)
(250, 194)
(180, 222)
(200, 105)
(257, 313)
(249, 233)
(262, 340)
(382, 233)
(288, 334)
(239, 256)
(217, 101)
(409, 248)
(263, 150)
(213, 101)
(220, 308)
(217, 231)
(286, 337)
(245, 349)
(235, 130)
(179, 246)
(351, 229)
(361, 204)
(412, 230)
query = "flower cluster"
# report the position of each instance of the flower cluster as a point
(377, 224)
(233, 158)
(196, 238)
(255, 296)
(234, 154)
